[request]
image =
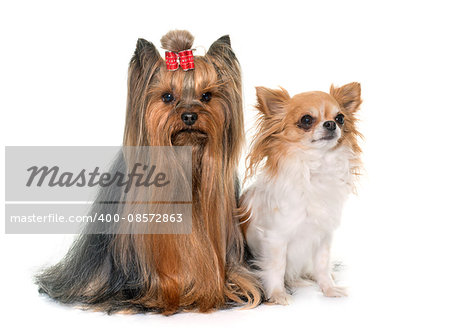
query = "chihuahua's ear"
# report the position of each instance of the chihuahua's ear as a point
(348, 96)
(271, 102)
(145, 54)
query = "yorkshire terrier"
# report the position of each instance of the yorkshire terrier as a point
(182, 100)
(306, 147)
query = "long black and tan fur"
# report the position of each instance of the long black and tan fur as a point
(200, 271)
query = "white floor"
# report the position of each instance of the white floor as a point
(394, 286)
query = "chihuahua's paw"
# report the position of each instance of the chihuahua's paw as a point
(280, 297)
(335, 291)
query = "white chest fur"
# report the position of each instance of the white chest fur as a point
(295, 213)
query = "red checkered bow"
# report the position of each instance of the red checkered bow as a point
(185, 59)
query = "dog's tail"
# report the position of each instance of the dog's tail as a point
(243, 287)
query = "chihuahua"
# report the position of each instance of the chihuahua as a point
(308, 156)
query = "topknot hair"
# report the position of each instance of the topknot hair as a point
(177, 40)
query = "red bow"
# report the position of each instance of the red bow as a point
(185, 59)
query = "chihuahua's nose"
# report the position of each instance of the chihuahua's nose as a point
(189, 118)
(330, 125)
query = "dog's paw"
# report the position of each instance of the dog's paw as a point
(280, 297)
(335, 291)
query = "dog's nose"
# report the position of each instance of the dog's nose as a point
(330, 125)
(189, 118)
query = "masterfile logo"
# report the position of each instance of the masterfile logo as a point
(98, 189)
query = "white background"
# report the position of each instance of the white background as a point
(63, 82)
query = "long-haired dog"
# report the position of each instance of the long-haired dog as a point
(309, 155)
(166, 273)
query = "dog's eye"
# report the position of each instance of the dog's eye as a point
(167, 98)
(340, 118)
(206, 97)
(306, 122)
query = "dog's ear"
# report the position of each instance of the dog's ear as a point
(348, 96)
(143, 66)
(271, 102)
(145, 53)
(220, 46)
(222, 51)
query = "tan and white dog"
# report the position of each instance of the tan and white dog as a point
(308, 154)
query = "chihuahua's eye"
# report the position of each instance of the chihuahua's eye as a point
(340, 118)
(306, 122)
(206, 97)
(167, 98)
